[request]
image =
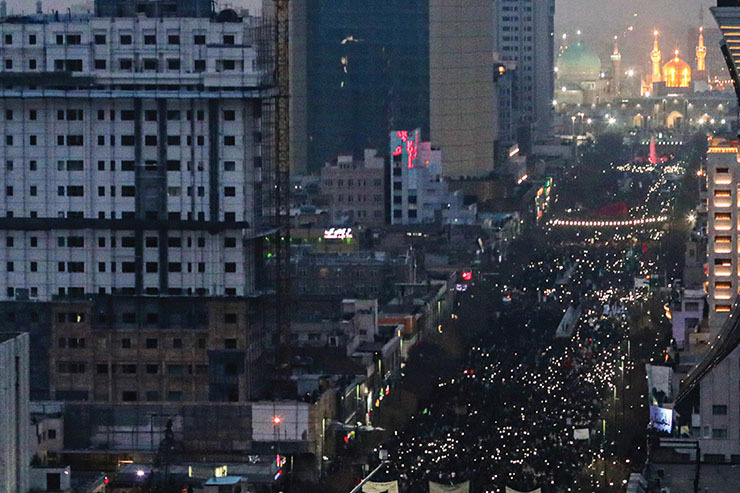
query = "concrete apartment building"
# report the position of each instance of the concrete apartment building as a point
(418, 189)
(355, 189)
(463, 117)
(15, 429)
(715, 419)
(132, 200)
(524, 40)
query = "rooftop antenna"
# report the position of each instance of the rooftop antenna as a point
(39, 8)
(3, 9)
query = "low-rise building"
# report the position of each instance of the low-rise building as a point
(355, 189)
(364, 274)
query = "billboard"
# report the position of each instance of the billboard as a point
(405, 144)
(661, 418)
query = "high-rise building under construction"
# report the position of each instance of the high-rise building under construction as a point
(132, 200)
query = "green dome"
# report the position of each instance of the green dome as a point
(578, 64)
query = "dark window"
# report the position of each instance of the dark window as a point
(126, 39)
(230, 267)
(129, 396)
(125, 63)
(128, 191)
(719, 410)
(100, 64)
(229, 318)
(230, 343)
(152, 343)
(100, 39)
(200, 66)
(173, 39)
(128, 267)
(150, 39)
(177, 343)
(199, 39)
(173, 64)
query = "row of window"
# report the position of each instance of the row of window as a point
(123, 39)
(377, 182)
(126, 242)
(360, 198)
(78, 292)
(126, 267)
(124, 115)
(126, 191)
(130, 215)
(128, 165)
(125, 140)
(148, 64)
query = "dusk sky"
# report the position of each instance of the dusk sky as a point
(599, 20)
(589, 15)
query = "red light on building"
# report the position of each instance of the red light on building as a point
(276, 420)
(467, 275)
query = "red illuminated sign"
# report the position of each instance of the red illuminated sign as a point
(467, 275)
(412, 148)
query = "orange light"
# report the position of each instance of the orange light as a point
(276, 420)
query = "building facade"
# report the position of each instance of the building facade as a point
(418, 190)
(358, 70)
(717, 422)
(132, 196)
(15, 429)
(355, 189)
(524, 33)
(463, 96)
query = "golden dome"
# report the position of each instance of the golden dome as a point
(677, 73)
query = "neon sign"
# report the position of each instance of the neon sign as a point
(338, 234)
(411, 147)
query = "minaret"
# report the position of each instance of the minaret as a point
(617, 68)
(701, 56)
(656, 58)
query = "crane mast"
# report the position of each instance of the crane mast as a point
(282, 180)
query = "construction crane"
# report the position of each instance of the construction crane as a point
(282, 181)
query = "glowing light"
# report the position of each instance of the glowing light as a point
(338, 234)
(140, 473)
(276, 420)
(467, 275)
